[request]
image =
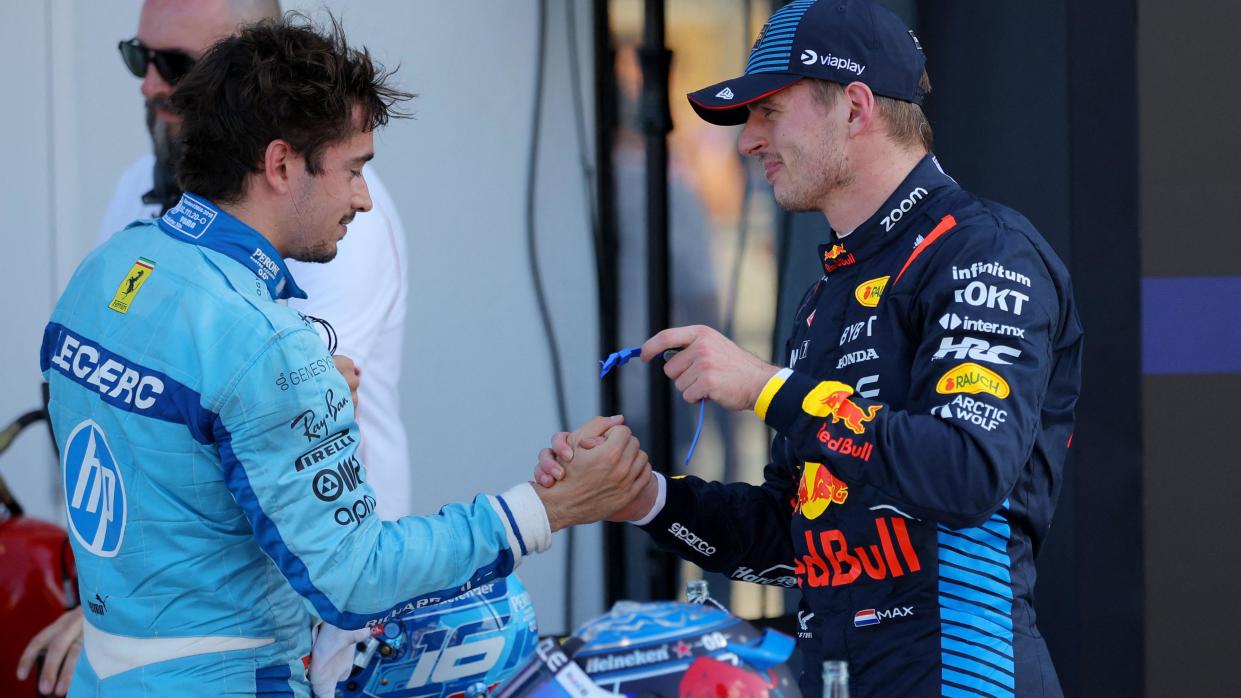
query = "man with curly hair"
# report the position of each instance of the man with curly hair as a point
(216, 494)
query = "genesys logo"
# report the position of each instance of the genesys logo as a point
(831, 399)
(976, 349)
(770, 576)
(868, 292)
(829, 561)
(819, 489)
(692, 539)
(952, 321)
(870, 616)
(972, 379)
(811, 57)
(967, 409)
(981, 295)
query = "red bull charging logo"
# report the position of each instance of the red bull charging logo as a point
(831, 399)
(836, 257)
(819, 489)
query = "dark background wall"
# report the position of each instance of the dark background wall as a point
(1190, 141)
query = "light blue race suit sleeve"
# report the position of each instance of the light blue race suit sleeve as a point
(288, 445)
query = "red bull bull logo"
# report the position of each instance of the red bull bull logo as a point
(818, 489)
(836, 257)
(829, 561)
(831, 399)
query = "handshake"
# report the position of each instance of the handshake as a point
(597, 472)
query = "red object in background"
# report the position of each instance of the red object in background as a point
(35, 562)
(711, 678)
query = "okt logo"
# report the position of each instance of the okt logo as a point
(979, 294)
(94, 491)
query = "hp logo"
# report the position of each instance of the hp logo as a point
(94, 491)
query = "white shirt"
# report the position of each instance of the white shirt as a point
(362, 294)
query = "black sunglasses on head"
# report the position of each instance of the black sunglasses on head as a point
(171, 65)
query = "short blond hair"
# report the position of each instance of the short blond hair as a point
(905, 122)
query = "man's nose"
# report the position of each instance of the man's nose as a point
(752, 139)
(362, 196)
(154, 86)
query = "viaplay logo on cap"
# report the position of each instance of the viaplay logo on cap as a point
(810, 57)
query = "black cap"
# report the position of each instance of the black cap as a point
(839, 40)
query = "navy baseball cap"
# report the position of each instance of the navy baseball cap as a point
(839, 40)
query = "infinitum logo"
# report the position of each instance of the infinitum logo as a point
(809, 57)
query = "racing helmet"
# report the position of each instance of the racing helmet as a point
(458, 648)
(684, 650)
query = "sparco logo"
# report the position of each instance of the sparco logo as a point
(745, 574)
(905, 206)
(691, 539)
(628, 660)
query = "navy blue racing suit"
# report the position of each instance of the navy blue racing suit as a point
(922, 425)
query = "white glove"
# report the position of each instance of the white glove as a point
(331, 657)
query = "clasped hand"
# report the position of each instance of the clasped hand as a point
(608, 473)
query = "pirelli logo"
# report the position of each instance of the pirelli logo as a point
(331, 447)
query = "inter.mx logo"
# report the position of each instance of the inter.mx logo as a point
(94, 491)
(952, 321)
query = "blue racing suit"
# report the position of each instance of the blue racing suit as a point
(922, 424)
(216, 501)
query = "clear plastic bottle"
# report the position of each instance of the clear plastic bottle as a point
(696, 591)
(835, 679)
